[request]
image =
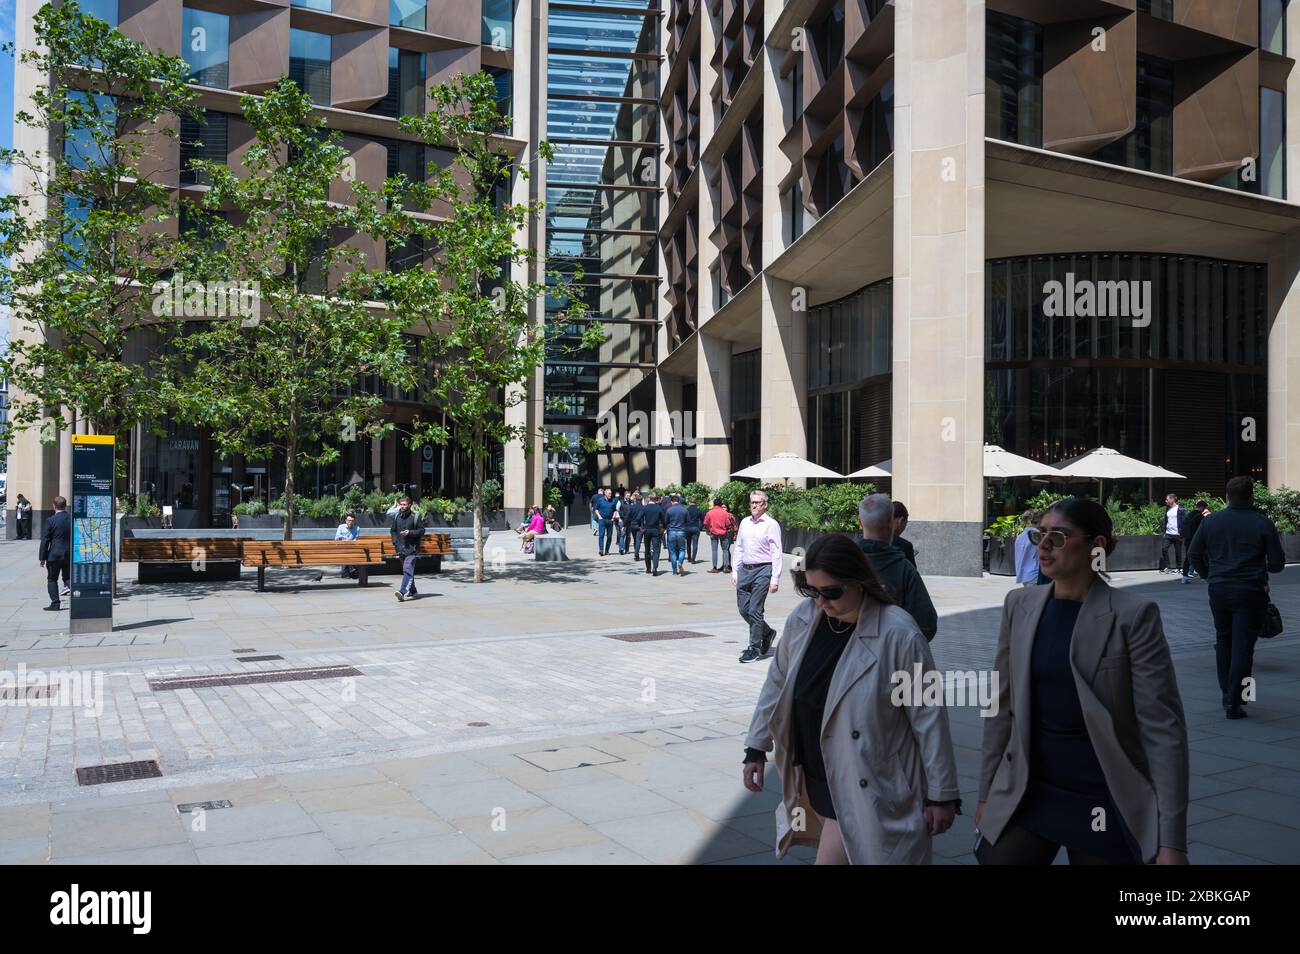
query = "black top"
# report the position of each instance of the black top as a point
(652, 518)
(409, 544)
(812, 684)
(676, 517)
(909, 551)
(1238, 546)
(903, 582)
(694, 519)
(1066, 782)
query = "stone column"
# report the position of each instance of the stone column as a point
(668, 402)
(938, 387)
(784, 400)
(712, 424)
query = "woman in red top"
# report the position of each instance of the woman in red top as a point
(721, 528)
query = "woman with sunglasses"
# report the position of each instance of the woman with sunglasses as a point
(1088, 746)
(865, 779)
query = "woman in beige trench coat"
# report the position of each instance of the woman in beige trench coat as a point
(864, 779)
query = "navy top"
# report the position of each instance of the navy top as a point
(652, 518)
(694, 519)
(1066, 782)
(677, 518)
(605, 508)
(1237, 546)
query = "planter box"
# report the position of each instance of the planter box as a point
(1002, 557)
(1135, 553)
(1291, 547)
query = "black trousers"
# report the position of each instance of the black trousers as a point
(24, 528)
(53, 570)
(1165, 544)
(1020, 846)
(1238, 619)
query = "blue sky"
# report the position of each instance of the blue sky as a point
(6, 83)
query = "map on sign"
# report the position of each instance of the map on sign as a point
(92, 531)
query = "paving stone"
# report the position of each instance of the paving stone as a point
(607, 800)
(1269, 806)
(179, 854)
(476, 799)
(376, 824)
(527, 832)
(680, 837)
(114, 829)
(454, 849)
(596, 853)
(252, 823)
(312, 849)
(554, 760)
(1277, 844)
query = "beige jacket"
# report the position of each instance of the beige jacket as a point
(882, 761)
(1131, 708)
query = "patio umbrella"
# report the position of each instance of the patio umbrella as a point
(1001, 463)
(787, 467)
(1104, 462)
(884, 469)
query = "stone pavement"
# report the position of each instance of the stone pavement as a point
(501, 724)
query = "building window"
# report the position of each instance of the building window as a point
(105, 10)
(1014, 76)
(309, 64)
(203, 138)
(797, 212)
(326, 5)
(1272, 142)
(84, 146)
(1150, 146)
(205, 45)
(499, 23)
(796, 88)
(407, 13)
(1272, 26)
(1164, 9)
(504, 80)
(406, 77)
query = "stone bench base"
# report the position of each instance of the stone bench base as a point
(549, 549)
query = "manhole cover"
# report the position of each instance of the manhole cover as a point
(258, 658)
(252, 678)
(248, 650)
(653, 637)
(119, 772)
(476, 725)
(27, 692)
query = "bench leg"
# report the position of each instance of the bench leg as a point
(261, 579)
(363, 576)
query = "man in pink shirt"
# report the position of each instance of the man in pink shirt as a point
(756, 572)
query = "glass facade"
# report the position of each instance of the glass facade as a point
(1013, 70)
(406, 77)
(206, 138)
(80, 150)
(1171, 381)
(407, 13)
(1150, 146)
(326, 5)
(602, 190)
(746, 407)
(499, 23)
(309, 64)
(1272, 26)
(205, 45)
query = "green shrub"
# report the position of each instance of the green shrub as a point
(375, 503)
(701, 493)
(354, 499)
(250, 508)
(145, 507)
(328, 507)
(838, 503)
(492, 494)
(1005, 528)
(555, 498)
(1044, 499)
(735, 494)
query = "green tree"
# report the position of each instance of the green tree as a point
(290, 380)
(475, 323)
(92, 233)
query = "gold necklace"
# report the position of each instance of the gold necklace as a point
(830, 620)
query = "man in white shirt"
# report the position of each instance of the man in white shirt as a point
(348, 530)
(756, 572)
(1172, 526)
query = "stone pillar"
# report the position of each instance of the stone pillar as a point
(784, 400)
(938, 386)
(668, 402)
(712, 424)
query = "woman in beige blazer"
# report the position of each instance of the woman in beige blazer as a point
(864, 779)
(1088, 749)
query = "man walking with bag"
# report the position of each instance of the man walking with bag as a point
(56, 550)
(757, 573)
(1234, 551)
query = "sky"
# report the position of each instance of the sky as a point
(7, 13)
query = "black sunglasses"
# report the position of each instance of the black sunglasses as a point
(829, 593)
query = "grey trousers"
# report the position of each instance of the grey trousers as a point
(751, 598)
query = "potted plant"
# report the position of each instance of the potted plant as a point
(1002, 534)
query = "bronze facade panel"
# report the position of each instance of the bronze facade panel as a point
(1089, 95)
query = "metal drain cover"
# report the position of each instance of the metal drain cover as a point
(186, 807)
(653, 637)
(258, 658)
(118, 772)
(252, 678)
(27, 692)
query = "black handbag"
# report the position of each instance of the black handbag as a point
(1272, 622)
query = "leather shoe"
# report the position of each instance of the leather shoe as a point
(52, 606)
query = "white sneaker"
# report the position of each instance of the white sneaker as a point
(401, 597)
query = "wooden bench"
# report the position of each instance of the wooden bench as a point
(363, 553)
(180, 550)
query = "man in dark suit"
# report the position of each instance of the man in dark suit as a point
(56, 550)
(1173, 525)
(1190, 526)
(632, 527)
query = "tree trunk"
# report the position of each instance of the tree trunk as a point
(290, 451)
(478, 514)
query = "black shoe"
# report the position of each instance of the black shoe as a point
(1237, 713)
(750, 655)
(52, 606)
(766, 646)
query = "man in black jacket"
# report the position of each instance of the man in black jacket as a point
(652, 523)
(900, 524)
(1190, 526)
(1234, 551)
(632, 526)
(56, 550)
(406, 532)
(876, 516)
(1173, 525)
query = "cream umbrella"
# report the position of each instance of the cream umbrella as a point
(884, 469)
(1106, 462)
(787, 467)
(1002, 463)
